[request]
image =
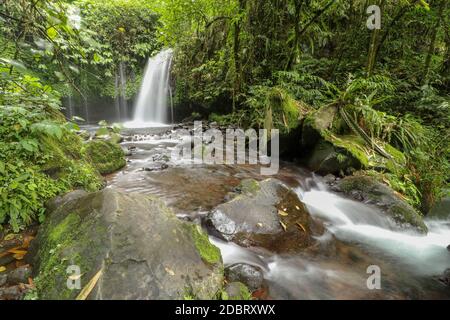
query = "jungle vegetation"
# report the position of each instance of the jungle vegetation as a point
(247, 63)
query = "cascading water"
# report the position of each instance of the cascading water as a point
(152, 103)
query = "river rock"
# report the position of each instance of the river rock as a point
(265, 214)
(19, 275)
(3, 279)
(370, 191)
(445, 278)
(249, 275)
(141, 248)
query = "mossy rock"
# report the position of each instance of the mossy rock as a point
(106, 156)
(380, 195)
(236, 291)
(325, 151)
(143, 249)
(67, 163)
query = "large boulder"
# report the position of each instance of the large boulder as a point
(266, 214)
(143, 250)
(369, 190)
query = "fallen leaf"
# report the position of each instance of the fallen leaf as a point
(296, 207)
(88, 288)
(17, 251)
(170, 271)
(2, 269)
(259, 224)
(282, 213)
(301, 226)
(9, 237)
(19, 256)
(31, 282)
(283, 225)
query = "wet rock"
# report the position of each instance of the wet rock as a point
(127, 152)
(329, 179)
(370, 191)
(237, 291)
(3, 279)
(249, 275)
(19, 275)
(265, 214)
(14, 292)
(156, 167)
(143, 250)
(445, 278)
(63, 199)
(6, 259)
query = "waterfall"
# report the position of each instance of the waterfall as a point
(152, 104)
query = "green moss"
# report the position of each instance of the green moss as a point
(64, 228)
(67, 165)
(354, 145)
(235, 291)
(249, 186)
(208, 252)
(107, 157)
(72, 240)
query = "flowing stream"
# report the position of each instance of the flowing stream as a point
(356, 235)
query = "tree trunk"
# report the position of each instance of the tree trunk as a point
(432, 46)
(236, 55)
(294, 50)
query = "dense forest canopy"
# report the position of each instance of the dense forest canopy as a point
(247, 63)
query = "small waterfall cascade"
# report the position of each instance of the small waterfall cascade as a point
(152, 103)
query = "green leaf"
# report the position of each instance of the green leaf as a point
(52, 33)
(16, 64)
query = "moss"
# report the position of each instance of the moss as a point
(354, 145)
(249, 186)
(59, 231)
(208, 252)
(235, 291)
(67, 165)
(107, 157)
(69, 241)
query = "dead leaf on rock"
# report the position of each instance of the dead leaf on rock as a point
(300, 226)
(282, 213)
(283, 225)
(170, 271)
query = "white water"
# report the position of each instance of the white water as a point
(353, 221)
(151, 108)
(405, 254)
